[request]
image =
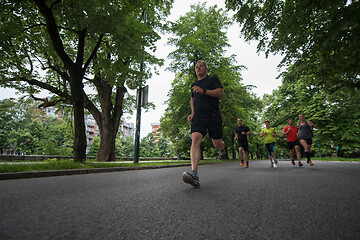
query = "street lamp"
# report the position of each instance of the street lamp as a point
(140, 101)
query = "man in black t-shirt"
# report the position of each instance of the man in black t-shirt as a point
(205, 117)
(241, 133)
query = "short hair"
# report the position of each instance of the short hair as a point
(290, 119)
(202, 61)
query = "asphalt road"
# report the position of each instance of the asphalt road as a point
(319, 202)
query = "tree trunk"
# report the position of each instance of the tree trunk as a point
(108, 119)
(106, 150)
(80, 140)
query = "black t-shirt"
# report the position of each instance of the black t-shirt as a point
(206, 106)
(239, 130)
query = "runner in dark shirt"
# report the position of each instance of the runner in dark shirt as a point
(241, 133)
(205, 117)
(305, 136)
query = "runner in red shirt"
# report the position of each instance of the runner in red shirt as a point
(291, 132)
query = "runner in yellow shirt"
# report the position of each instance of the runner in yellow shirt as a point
(269, 136)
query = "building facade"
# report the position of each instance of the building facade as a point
(91, 127)
(155, 130)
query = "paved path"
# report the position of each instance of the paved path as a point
(320, 202)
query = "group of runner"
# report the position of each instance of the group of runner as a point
(205, 118)
(295, 135)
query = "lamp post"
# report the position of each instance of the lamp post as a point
(139, 103)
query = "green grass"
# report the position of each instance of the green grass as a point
(336, 159)
(53, 164)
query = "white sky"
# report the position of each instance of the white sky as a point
(261, 72)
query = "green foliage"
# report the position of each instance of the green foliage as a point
(153, 146)
(117, 26)
(124, 147)
(201, 35)
(321, 38)
(149, 146)
(174, 123)
(62, 46)
(94, 146)
(23, 130)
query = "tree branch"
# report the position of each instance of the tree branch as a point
(93, 53)
(43, 85)
(57, 69)
(52, 29)
(57, 1)
(89, 105)
(45, 102)
(118, 110)
(81, 47)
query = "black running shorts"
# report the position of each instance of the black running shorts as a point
(203, 125)
(244, 145)
(308, 141)
(291, 145)
(270, 147)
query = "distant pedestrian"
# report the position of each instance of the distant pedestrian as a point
(241, 133)
(291, 133)
(305, 136)
(205, 117)
(269, 135)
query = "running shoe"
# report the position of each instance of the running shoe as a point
(275, 161)
(275, 166)
(242, 163)
(292, 162)
(247, 164)
(311, 163)
(191, 178)
(300, 164)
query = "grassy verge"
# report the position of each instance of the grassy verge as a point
(51, 164)
(336, 159)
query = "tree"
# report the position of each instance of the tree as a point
(26, 130)
(15, 117)
(149, 147)
(88, 42)
(320, 38)
(125, 147)
(165, 147)
(57, 137)
(7, 123)
(201, 35)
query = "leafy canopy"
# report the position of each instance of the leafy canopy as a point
(321, 37)
(201, 35)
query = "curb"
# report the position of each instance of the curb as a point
(69, 172)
